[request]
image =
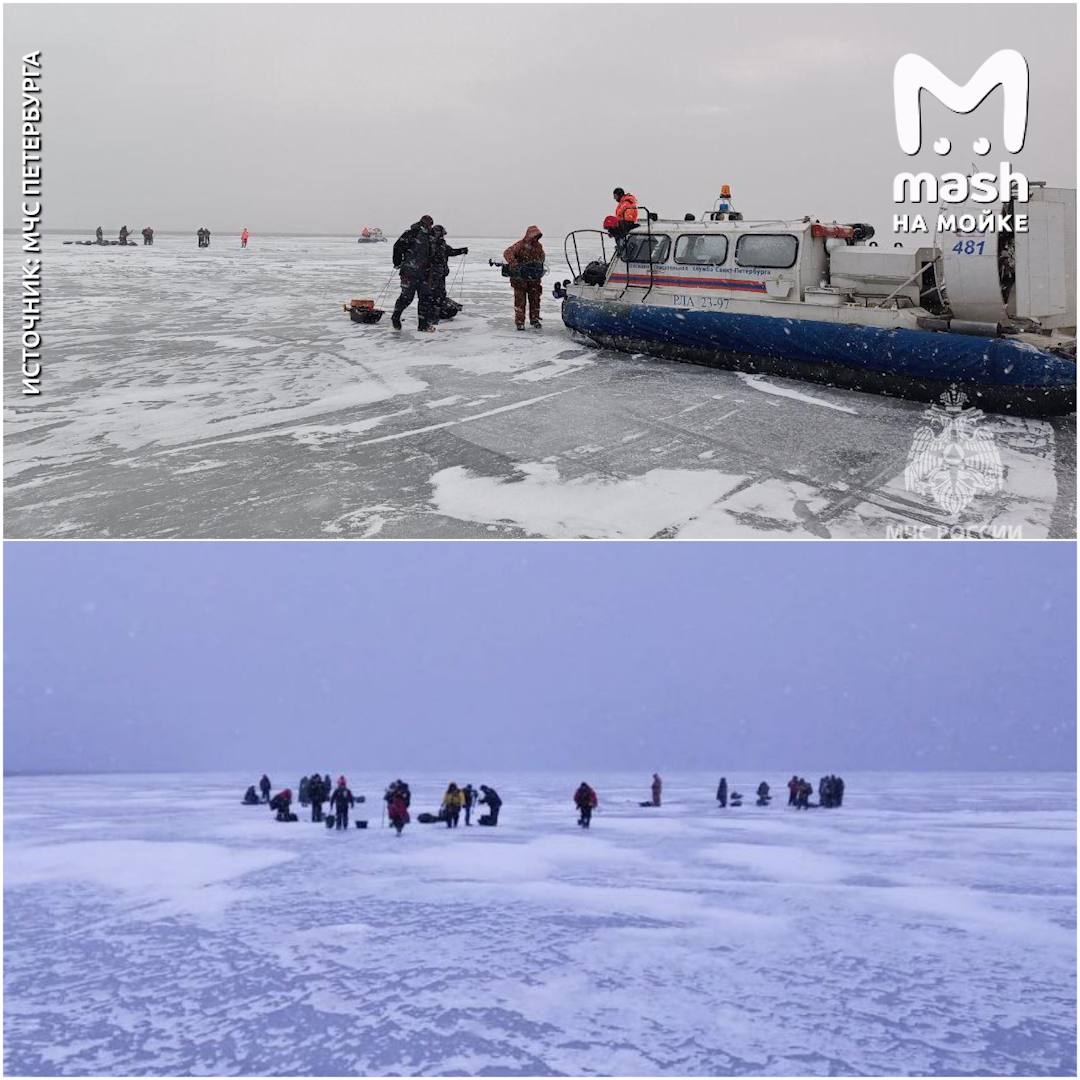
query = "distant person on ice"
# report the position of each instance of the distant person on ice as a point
(525, 260)
(398, 787)
(99, 233)
(281, 803)
(657, 786)
(452, 803)
(250, 798)
(412, 256)
(721, 792)
(763, 796)
(244, 237)
(793, 791)
(340, 802)
(317, 794)
(148, 236)
(303, 789)
(397, 808)
(492, 801)
(586, 801)
(123, 234)
(468, 794)
(264, 787)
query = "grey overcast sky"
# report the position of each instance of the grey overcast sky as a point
(179, 655)
(321, 118)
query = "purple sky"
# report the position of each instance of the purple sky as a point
(785, 655)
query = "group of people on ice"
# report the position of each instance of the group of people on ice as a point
(830, 792)
(421, 256)
(315, 790)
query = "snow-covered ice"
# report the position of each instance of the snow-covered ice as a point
(224, 393)
(155, 925)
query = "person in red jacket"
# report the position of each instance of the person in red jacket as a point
(525, 262)
(244, 237)
(626, 214)
(397, 810)
(657, 784)
(586, 801)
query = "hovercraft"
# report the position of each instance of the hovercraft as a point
(989, 313)
(371, 236)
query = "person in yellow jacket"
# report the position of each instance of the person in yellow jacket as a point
(453, 801)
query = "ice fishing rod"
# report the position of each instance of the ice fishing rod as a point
(459, 277)
(382, 293)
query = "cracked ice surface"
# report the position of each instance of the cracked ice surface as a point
(225, 393)
(154, 925)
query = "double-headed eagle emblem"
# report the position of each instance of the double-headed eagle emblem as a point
(950, 459)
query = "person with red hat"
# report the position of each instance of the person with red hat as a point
(280, 803)
(340, 802)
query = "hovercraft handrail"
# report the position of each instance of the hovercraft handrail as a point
(652, 275)
(577, 255)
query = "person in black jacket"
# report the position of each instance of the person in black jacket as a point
(763, 796)
(340, 802)
(317, 795)
(721, 793)
(123, 234)
(492, 801)
(100, 235)
(469, 792)
(264, 787)
(441, 254)
(412, 257)
(250, 798)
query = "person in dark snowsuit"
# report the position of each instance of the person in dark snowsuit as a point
(99, 234)
(657, 785)
(412, 256)
(280, 803)
(327, 787)
(305, 782)
(317, 795)
(721, 792)
(250, 798)
(441, 253)
(123, 234)
(340, 802)
(586, 801)
(805, 790)
(763, 796)
(147, 236)
(838, 790)
(264, 787)
(469, 794)
(525, 261)
(492, 801)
